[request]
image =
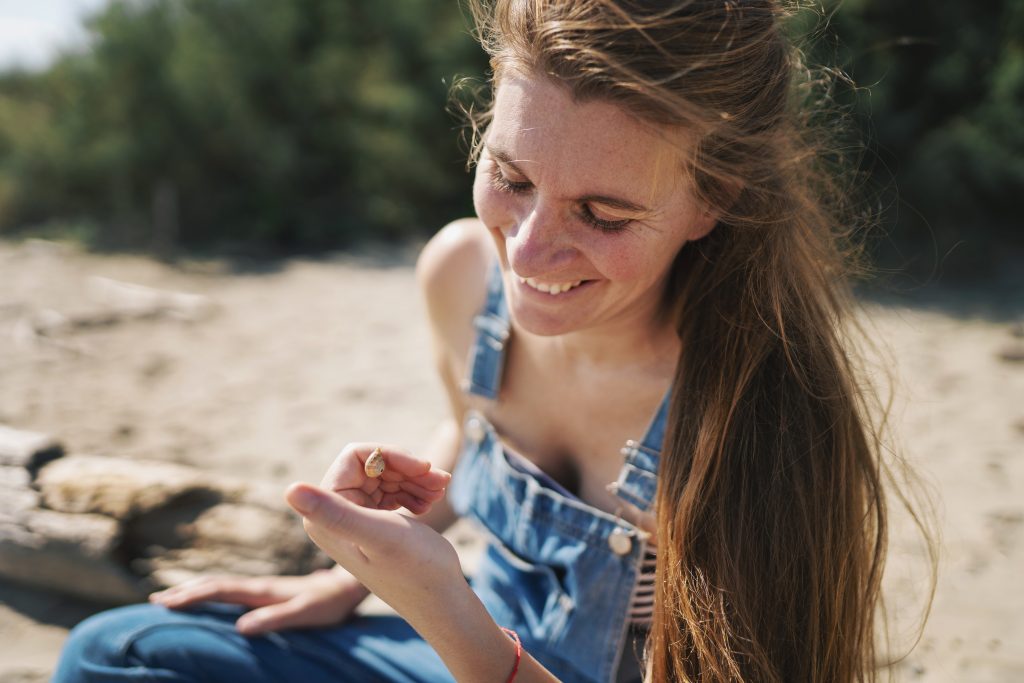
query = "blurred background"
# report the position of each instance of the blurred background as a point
(256, 125)
(301, 126)
(210, 210)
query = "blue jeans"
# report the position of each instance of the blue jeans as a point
(558, 571)
(153, 644)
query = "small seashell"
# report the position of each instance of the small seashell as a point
(374, 465)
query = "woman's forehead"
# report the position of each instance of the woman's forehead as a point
(543, 129)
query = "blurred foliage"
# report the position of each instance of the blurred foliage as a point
(297, 124)
(314, 123)
(939, 100)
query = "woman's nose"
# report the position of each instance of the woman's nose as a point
(540, 242)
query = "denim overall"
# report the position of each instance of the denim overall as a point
(557, 570)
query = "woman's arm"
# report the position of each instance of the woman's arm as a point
(415, 570)
(325, 597)
(452, 272)
(474, 648)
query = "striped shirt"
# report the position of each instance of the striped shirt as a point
(641, 605)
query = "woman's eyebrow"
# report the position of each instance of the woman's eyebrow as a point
(615, 202)
(504, 157)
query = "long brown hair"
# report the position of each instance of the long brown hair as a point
(770, 506)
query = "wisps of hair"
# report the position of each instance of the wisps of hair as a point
(771, 506)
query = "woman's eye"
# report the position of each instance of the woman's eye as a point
(588, 215)
(503, 184)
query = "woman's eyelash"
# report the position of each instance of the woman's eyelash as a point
(500, 182)
(601, 224)
(503, 184)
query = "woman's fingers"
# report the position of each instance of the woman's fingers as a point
(393, 495)
(396, 461)
(238, 591)
(346, 525)
(406, 482)
(292, 613)
(413, 489)
(356, 536)
(347, 470)
(411, 503)
(360, 497)
(434, 479)
(404, 562)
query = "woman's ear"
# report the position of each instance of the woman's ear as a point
(705, 222)
(709, 214)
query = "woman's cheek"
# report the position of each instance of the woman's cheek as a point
(626, 257)
(496, 209)
(493, 211)
(480, 198)
(488, 202)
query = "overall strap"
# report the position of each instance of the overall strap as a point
(487, 359)
(638, 478)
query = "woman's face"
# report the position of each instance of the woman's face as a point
(587, 208)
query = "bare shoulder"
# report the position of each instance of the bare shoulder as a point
(452, 274)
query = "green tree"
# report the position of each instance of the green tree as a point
(301, 124)
(939, 99)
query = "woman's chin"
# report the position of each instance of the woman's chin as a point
(543, 323)
(546, 314)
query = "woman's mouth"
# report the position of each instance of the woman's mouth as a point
(553, 288)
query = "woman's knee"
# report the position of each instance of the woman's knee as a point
(102, 637)
(145, 641)
(99, 644)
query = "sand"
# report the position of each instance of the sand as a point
(301, 356)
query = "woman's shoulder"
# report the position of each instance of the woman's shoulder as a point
(452, 273)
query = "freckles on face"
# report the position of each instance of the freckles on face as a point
(581, 191)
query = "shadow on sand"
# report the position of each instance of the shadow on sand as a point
(46, 607)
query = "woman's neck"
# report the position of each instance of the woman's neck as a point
(620, 347)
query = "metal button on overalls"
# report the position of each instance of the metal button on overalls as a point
(620, 541)
(475, 430)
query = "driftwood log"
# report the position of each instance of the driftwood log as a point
(111, 530)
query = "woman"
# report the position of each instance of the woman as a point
(652, 409)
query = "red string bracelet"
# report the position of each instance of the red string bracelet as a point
(519, 652)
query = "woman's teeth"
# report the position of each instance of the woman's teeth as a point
(550, 288)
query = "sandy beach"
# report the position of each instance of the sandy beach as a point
(288, 361)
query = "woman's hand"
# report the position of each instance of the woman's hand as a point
(416, 571)
(322, 598)
(403, 561)
(350, 516)
(406, 482)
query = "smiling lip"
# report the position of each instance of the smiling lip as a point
(550, 288)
